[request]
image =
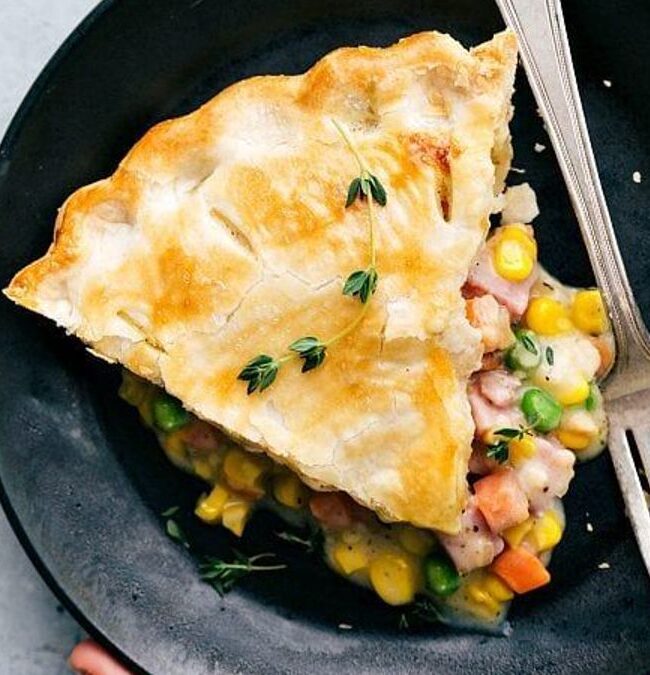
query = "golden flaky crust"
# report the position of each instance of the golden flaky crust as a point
(223, 234)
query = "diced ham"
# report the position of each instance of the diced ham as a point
(501, 500)
(499, 387)
(334, 510)
(202, 436)
(489, 416)
(492, 361)
(491, 320)
(484, 279)
(475, 545)
(546, 475)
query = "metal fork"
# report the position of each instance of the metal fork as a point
(544, 47)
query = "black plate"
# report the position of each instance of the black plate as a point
(84, 483)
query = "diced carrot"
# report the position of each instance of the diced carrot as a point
(501, 500)
(521, 570)
(332, 509)
(606, 351)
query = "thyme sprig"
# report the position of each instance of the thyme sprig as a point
(499, 448)
(222, 575)
(261, 371)
(426, 610)
(312, 542)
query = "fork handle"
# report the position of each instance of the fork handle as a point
(544, 48)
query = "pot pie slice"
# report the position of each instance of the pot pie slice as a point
(225, 234)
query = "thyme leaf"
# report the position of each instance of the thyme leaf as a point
(222, 575)
(362, 283)
(175, 532)
(377, 190)
(354, 191)
(311, 350)
(498, 451)
(426, 610)
(403, 623)
(260, 373)
(312, 543)
(550, 356)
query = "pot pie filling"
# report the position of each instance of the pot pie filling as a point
(537, 410)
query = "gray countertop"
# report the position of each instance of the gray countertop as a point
(36, 635)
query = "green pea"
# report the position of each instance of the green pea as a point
(440, 575)
(168, 413)
(592, 401)
(541, 410)
(525, 354)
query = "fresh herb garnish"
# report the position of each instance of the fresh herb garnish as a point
(362, 283)
(311, 350)
(175, 532)
(171, 511)
(403, 623)
(527, 342)
(260, 372)
(223, 575)
(312, 543)
(425, 610)
(366, 185)
(550, 356)
(498, 450)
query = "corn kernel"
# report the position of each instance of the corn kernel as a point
(512, 260)
(519, 233)
(476, 593)
(146, 409)
(174, 445)
(547, 316)
(350, 558)
(236, 513)
(351, 536)
(133, 389)
(395, 577)
(202, 468)
(574, 395)
(210, 507)
(574, 440)
(418, 542)
(497, 588)
(244, 471)
(588, 312)
(546, 532)
(290, 491)
(516, 534)
(521, 449)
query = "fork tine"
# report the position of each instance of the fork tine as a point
(642, 440)
(633, 495)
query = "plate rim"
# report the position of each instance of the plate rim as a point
(25, 107)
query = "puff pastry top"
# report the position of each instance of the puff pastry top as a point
(223, 234)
